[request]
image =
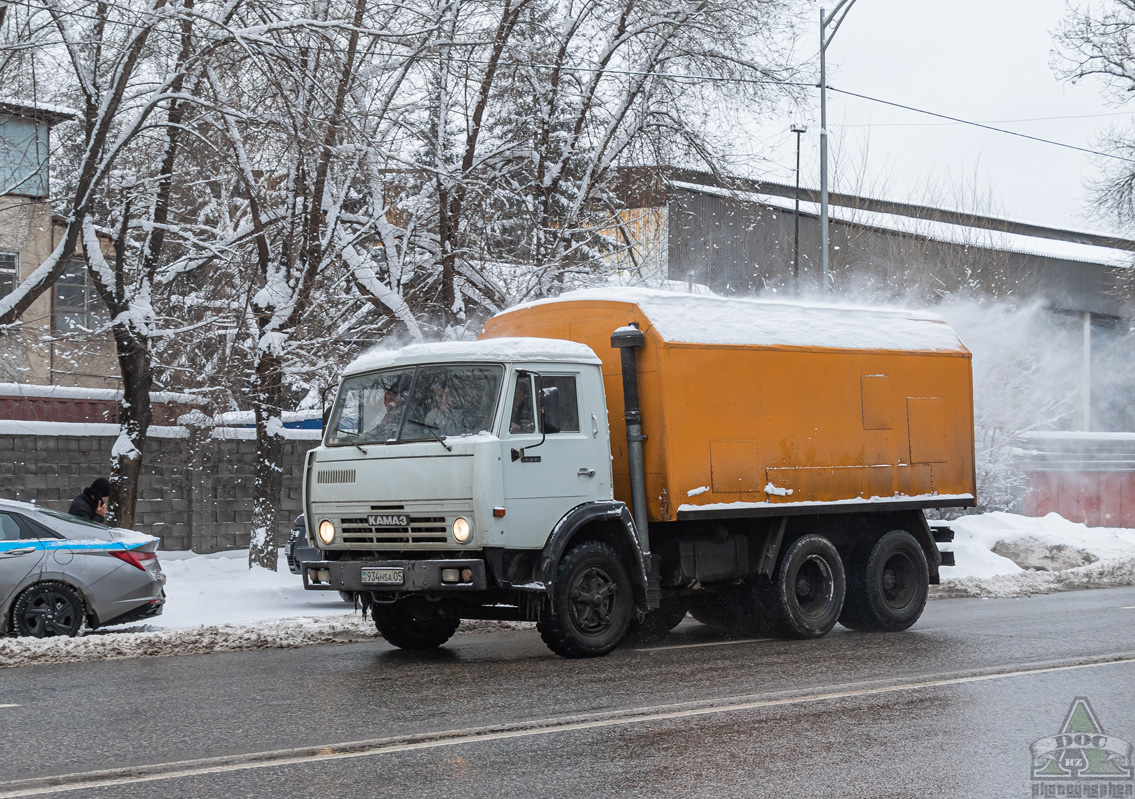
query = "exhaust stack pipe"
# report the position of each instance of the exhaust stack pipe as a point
(628, 339)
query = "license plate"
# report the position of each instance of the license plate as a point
(384, 576)
(387, 520)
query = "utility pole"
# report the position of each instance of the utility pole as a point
(826, 39)
(798, 130)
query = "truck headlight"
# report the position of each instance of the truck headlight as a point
(461, 530)
(326, 531)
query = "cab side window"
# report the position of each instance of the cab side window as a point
(522, 416)
(561, 403)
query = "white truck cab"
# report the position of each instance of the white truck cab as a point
(444, 473)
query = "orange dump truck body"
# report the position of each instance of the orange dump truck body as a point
(755, 408)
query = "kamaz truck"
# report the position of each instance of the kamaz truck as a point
(605, 462)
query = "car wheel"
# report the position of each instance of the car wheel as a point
(47, 610)
(347, 596)
(887, 588)
(805, 598)
(413, 623)
(591, 604)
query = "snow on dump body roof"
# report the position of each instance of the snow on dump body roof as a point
(701, 319)
(493, 349)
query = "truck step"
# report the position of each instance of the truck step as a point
(948, 559)
(942, 534)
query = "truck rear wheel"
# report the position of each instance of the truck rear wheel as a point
(806, 595)
(591, 605)
(887, 588)
(413, 624)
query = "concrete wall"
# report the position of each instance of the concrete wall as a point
(195, 494)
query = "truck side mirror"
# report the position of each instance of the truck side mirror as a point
(549, 410)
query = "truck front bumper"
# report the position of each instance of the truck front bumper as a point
(417, 576)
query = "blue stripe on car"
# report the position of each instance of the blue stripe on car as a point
(48, 545)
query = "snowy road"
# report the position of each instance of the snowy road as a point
(947, 708)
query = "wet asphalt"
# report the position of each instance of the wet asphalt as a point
(948, 708)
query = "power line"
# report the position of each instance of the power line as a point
(982, 121)
(982, 125)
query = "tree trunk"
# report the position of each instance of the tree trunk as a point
(134, 423)
(267, 399)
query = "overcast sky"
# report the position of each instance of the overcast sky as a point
(981, 60)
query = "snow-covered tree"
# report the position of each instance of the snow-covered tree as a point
(128, 70)
(1095, 41)
(532, 104)
(286, 121)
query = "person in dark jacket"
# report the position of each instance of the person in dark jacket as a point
(91, 504)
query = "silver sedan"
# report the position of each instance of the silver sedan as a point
(61, 575)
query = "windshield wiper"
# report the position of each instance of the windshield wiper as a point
(349, 436)
(433, 432)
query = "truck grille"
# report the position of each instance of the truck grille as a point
(421, 530)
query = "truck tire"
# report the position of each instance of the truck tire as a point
(887, 586)
(805, 597)
(659, 622)
(413, 624)
(591, 605)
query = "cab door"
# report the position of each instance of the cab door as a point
(546, 475)
(19, 556)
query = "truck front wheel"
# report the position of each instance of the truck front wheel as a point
(805, 597)
(591, 605)
(887, 588)
(413, 623)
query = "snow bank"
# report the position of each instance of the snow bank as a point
(143, 641)
(1110, 573)
(976, 536)
(983, 573)
(132, 642)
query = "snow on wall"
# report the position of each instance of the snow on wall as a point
(17, 427)
(684, 318)
(73, 392)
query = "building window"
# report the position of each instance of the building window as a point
(9, 272)
(77, 303)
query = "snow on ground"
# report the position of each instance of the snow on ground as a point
(983, 573)
(215, 603)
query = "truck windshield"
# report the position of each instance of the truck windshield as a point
(415, 404)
